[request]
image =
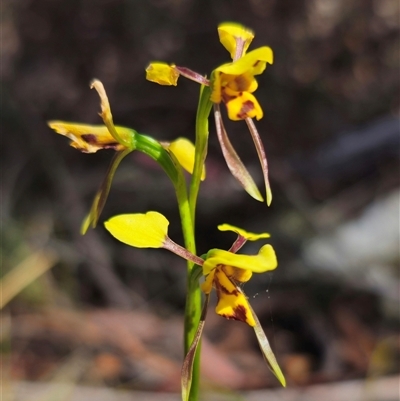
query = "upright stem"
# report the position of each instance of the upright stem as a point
(203, 111)
(193, 299)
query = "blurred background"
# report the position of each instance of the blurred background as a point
(89, 318)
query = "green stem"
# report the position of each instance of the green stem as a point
(193, 298)
(203, 112)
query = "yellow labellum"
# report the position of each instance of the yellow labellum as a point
(232, 304)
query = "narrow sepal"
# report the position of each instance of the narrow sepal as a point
(101, 197)
(267, 351)
(233, 161)
(106, 113)
(187, 367)
(261, 155)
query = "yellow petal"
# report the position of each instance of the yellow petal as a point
(216, 94)
(237, 275)
(239, 83)
(184, 151)
(232, 35)
(91, 138)
(139, 230)
(264, 261)
(232, 304)
(245, 105)
(243, 233)
(162, 73)
(254, 62)
(207, 286)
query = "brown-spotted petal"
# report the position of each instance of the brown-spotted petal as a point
(89, 138)
(232, 303)
(233, 161)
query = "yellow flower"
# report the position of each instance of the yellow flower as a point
(223, 270)
(234, 85)
(91, 138)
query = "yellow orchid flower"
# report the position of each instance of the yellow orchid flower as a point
(91, 138)
(234, 85)
(223, 270)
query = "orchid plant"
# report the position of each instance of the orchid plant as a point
(224, 271)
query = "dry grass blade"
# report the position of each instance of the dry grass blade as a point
(25, 273)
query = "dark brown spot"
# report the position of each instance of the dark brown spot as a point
(247, 106)
(90, 138)
(256, 63)
(241, 83)
(220, 288)
(239, 313)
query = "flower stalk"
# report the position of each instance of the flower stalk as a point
(223, 271)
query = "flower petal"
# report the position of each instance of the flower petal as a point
(91, 138)
(139, 230)
(237, 275)
(264, 261)
(162, 74)
(184, 151)
(102, 194)
(106, 113)
(262, 157)
(243, 106)
(248, 235)
(267, 351)
(207, 286)
(232, 304)
(254, 62)
(233, 161)
(235, 38)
